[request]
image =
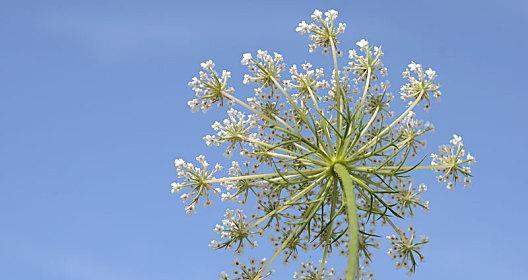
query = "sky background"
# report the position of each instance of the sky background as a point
(93, 112)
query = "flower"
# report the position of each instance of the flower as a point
(457, 140)
(407, 198)
(321, 162)
(406, 249)
(368, 62)
(309, 272)
(235, 130)
(322, 31)
(265, 68)
(253, 271)
(413, 66)
(176, 187)
(303, 27)
(431, 74)
(362, 43)
(420, 84)
(235, 231)
(317, 15)
(209, 87)
(208, 65)
(197, 180)
(453, 163)
(246, 59)
(306, 84)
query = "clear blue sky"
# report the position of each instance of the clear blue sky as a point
(93, 113)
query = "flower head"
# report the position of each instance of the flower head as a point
(419, 84)
(322, 31)
(406, 249)
(366, 64)
(453, 163)
(321, 161)
(310, 272)
(235, 231)
(209, 87)
(251, 271)
(197, 180)
(234, 130)
(265, 68)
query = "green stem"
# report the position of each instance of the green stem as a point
(387, 129)
(351, 210)
(264, 175)
(338, 92)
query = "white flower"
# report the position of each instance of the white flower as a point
(457, 140)
(226, 196)
(308, 271)
(341, 27)
(413, 66)
(246, 59)
(201, 159)
(265, 69)
(235, 231)
(317, 15)
(368, 61)
(234, 130)
(196, 181)
(208, 65)
(303, 27)
(176, 187)
(193, 104)
(331, 15)
(323, 32)
(406, 249)
(452, 163)
(214, 244)
(431, 74)
(179, 162)
(362, 43)
(209, 87)
(419, 84)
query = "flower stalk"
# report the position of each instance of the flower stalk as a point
(352, 217)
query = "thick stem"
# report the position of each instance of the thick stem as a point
(353, 230)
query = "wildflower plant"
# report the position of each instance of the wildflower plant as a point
(324, 161)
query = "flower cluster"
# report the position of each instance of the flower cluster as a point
(411, 130)
(367, 64)
(209, 87)
(420, 83)
(233, 130)
(320, 163)
(406, 249)
(235, 231)
(309, 272)
(306, 84)
(265, 68)
(247, 272)
(323, 30)
(408, 197)
(196, 181)
(241, 188)
(453, 162)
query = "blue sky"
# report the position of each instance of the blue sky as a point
(93, 113)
